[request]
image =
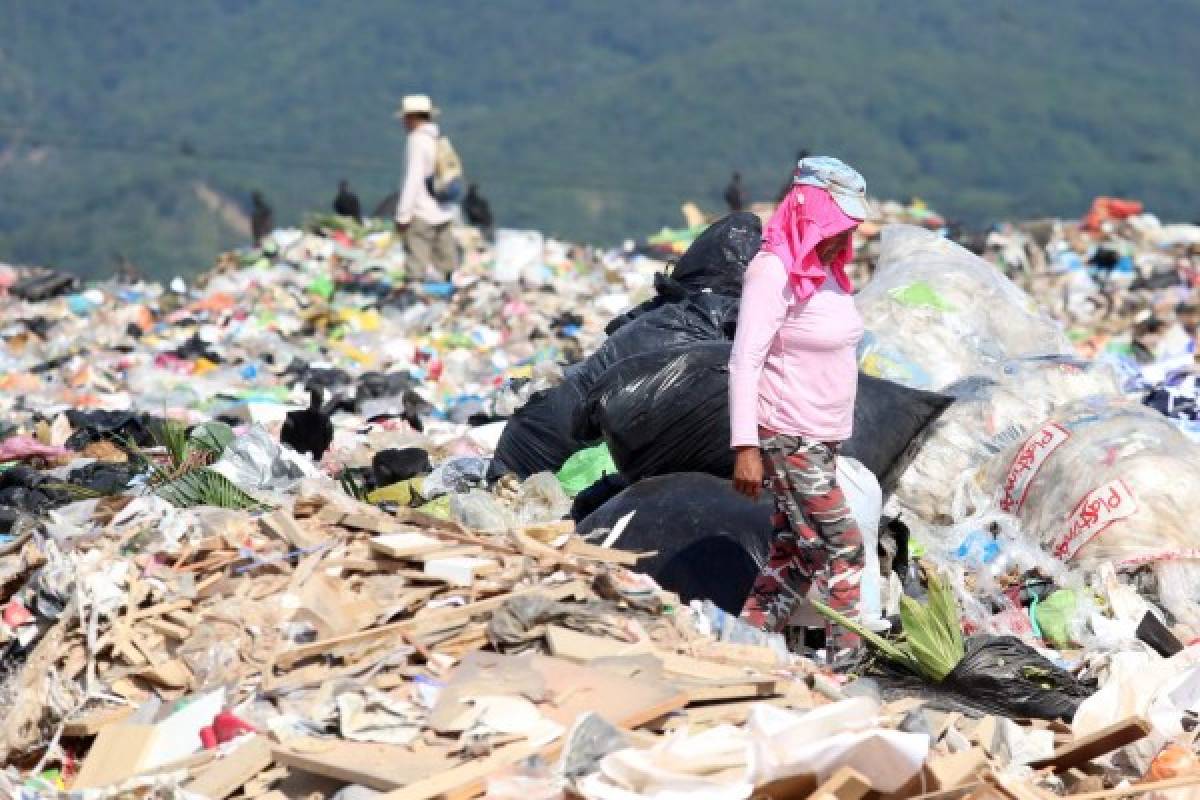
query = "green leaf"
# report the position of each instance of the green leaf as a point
(204, 487)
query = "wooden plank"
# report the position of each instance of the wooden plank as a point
(406, 544)
(584, 647)
(797, 787)
(440, 619)
(609, 555)
(1103, 741)
(463, 781)
(845, 784)
(718, 691)
(382, 767)
(957, 769)
(226, 776)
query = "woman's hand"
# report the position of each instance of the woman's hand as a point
(748, 472)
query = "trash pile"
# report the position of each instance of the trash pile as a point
(311, 528)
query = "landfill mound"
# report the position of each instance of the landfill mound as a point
(304, 528)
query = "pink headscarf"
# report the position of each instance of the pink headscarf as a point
(807, 216)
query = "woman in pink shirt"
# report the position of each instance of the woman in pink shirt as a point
(792, 381)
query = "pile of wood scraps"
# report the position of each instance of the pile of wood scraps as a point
(299, 651)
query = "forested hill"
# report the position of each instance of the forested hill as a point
(123, 123)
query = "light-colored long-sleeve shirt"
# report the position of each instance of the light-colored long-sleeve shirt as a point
(794, 368)
(415, 199)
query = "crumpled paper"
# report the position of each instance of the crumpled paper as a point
(727, 763)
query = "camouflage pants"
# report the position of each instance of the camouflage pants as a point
(817, 541)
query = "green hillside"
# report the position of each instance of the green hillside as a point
(590, 120)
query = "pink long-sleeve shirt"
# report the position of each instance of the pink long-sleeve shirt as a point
(794, 368)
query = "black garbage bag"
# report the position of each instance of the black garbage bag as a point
(374, 385)
(699, 317)
(663, 412)
(115, 426)
(998, 675)
(715, 262)
(549, 416)
(709, 539)
(596, 495)
(102, 477)
(25, 489)
(538, 436)
(668, 412)
(890, 421)
(392, 465)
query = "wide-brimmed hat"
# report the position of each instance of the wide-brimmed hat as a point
(416, 104)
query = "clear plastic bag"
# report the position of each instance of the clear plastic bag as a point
(936, 313)
(541, 499)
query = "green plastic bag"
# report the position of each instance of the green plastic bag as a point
(920, 294)
(322, 286)
(1054, 616)
(438, 507)
(585, 468)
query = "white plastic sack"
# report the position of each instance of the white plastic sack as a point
(1109, 484)
(988, 419)
(517, 254)
(865, 498)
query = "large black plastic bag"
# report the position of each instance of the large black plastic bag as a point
(669, 412)
(998, 675)
(702, 317)
(709, 539)
(889, 424)
(538, 437)
(664, 412)
(717, 259)
(715, 262)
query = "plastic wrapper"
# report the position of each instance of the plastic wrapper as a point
(479, 510)
(989, 416)
(935, 313)
(541, 499)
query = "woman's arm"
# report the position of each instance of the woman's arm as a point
(760, 316)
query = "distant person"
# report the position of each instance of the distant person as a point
(346, 203)
(787, 187)
(477, 210)
(735, 194)
(262, 219)
(422, 218)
